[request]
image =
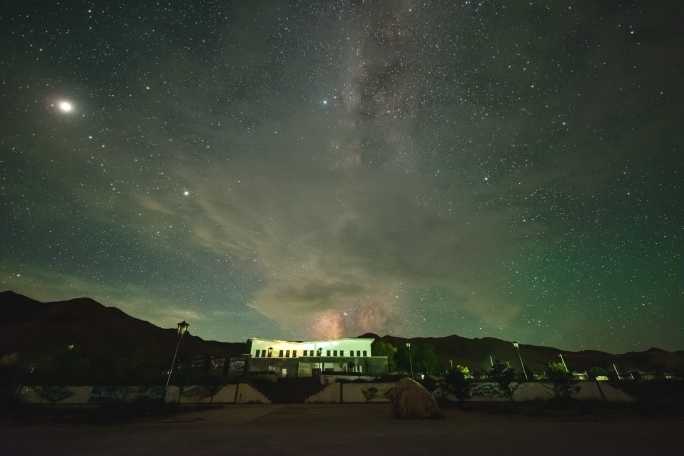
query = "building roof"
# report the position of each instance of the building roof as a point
(312, 341)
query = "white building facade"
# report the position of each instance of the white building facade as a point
(337, 348)
(308, 358)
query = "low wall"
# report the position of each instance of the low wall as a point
(538, 391)
(365, 392)
(107, 394)
(247, 394)
(55, 395)
(329, 394)
(333, 393)
(242, 393)
(98, 395)
(201, 394)
(533, 392)
(613, 394)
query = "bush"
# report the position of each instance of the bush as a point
(502, 374)
(563, 383)
(458, 384)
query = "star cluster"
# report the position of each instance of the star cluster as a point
(327, 168)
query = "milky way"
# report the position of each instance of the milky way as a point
(326, 169)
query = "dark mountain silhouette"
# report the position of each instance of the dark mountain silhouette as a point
(37, 330)
(476, 353)
(33, 329)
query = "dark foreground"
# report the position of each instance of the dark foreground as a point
(347, 430)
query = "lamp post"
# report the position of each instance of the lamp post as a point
(619, 377)
(182, 329)
(522, 364)
(408, 346)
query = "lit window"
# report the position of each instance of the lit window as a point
(280, 354)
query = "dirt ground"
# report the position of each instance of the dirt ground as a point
(347, 429)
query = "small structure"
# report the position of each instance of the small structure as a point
(580, 376)
(288, 358)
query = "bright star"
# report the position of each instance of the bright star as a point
(65, 106)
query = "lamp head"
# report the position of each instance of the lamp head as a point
(183, 327)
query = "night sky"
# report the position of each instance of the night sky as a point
(317, 169)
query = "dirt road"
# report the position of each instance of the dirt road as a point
(347, 429)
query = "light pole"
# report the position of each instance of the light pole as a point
(408, 346)
(182, 329)
(522, 364)
(619, 377)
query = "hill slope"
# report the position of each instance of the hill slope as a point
(34, 328)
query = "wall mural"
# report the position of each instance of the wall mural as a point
(106, 394)
(52, 393)
(199, 393)
(371, 393)
(113, 394)
(351, 392)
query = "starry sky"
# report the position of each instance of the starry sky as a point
(317, 169)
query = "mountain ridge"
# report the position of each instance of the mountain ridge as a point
(35, 328)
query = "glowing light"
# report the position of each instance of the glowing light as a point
(65, 106)
(186, 192)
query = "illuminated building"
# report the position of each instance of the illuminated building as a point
(308, 358)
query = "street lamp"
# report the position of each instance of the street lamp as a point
(522, 364)
(408, 345)
(182, 329)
